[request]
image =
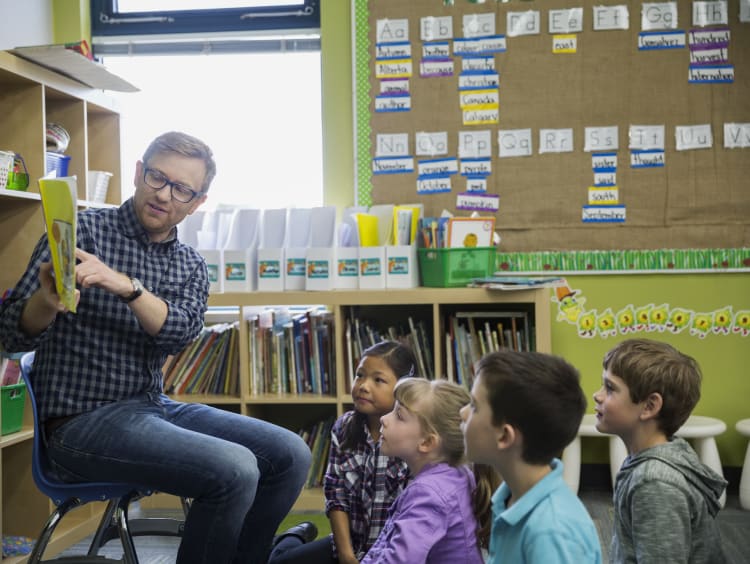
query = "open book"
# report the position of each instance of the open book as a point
(59, 200)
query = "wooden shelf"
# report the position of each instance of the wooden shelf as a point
(26, 433)
(376, 297)
(30, 97)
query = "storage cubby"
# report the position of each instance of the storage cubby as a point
(431, 307)
(31, 97)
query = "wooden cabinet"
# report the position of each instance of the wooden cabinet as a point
(31, 97)
(433, 305)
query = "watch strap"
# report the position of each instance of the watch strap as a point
(137, 291)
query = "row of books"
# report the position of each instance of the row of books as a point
(209, 365)
(292, 352)
(471, 335)
(360, 334)
(318, 438)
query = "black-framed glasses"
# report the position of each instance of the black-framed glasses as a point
(156, 180)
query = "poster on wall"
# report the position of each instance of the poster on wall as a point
(652, 318)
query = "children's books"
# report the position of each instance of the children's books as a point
(59, 197)
(470, 231)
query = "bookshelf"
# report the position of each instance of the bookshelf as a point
(433, 307)
(30, 97)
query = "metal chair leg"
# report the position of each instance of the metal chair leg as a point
(106, 530)
(186, 503)
(121, 518)
(44, 537)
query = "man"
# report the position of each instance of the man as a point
(97, 373)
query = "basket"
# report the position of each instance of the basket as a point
(13, 175)
(57, 163)
(451, 267)
(97, 185)
(13, 401)
(6, 164)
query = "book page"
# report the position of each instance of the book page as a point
(59, 197)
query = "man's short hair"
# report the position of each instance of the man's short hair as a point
(538, 394)
(187, 146)
(648, 366)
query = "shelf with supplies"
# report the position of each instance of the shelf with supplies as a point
(425, 314)
(31, 98)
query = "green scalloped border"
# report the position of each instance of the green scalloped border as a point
(655, 260)
(362, 94)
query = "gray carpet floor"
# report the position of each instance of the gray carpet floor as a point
(734, 524)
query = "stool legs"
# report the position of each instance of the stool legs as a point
(571, 459)
(745, 481)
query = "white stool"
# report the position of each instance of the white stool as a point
(703, 430)
(572, 454)
(743, 428)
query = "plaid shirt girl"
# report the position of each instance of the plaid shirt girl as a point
(363, 484)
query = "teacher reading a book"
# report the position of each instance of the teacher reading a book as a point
(97, 373)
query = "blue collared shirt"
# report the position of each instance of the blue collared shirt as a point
(547, 524)
(101, 354)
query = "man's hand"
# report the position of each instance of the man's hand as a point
(48, 291)
(91, 272)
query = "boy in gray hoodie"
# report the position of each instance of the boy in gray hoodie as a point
(665, 499)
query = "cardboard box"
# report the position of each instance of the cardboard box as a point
(271, 257)
(240, 257)
(372, 268)
(215, 264)
(320, 268)
(295, 252)
(346, 275)
(402, 270)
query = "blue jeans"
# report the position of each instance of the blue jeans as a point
(243, 474)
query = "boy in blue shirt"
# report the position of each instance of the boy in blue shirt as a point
(525, 408)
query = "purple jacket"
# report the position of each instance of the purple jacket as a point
(431, 521)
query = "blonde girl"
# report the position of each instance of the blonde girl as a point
(443, 515)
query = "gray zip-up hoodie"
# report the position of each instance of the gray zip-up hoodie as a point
(666, 502)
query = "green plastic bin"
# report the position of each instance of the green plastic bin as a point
(13, 401)
(446, 268)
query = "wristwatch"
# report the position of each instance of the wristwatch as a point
(137, 291)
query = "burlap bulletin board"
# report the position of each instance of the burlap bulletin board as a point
(700, 199)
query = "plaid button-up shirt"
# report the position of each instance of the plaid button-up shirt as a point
(101, 354)
(362, 483)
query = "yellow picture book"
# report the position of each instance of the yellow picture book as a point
(59, 200)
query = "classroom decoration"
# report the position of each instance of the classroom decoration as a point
(666, 260)
(650, 318)
(658, 89)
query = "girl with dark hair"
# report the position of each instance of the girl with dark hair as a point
(360, 483)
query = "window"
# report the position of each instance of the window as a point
(260, 113)
(254, 98)
(111, 18)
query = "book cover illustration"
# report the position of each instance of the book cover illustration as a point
(470, 231)
(59, 197)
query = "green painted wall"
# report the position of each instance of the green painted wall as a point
(724, 359)
(71, 20)
(337, 100)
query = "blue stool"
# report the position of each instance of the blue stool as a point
(67, 496)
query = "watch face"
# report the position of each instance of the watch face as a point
(137, 290)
